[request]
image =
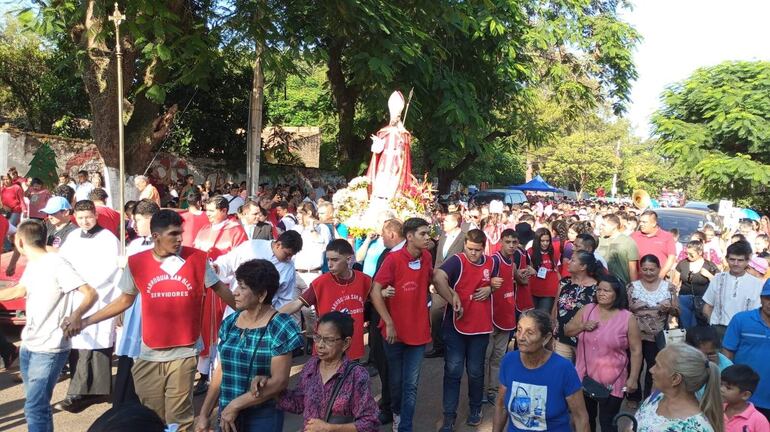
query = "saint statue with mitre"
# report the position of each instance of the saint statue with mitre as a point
(390, 170)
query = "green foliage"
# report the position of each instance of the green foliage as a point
(583, 158)
(38, 83)
(44, 167)
(716, 124)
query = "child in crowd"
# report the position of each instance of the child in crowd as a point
(738, 384)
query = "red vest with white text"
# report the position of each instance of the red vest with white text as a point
(477, 315)
(350, 298)
(504, 299)
(171, 304)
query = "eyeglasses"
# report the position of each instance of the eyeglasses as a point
(320, 340)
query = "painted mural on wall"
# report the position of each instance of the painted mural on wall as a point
(73, 155)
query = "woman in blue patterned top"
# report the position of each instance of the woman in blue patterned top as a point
(254, 341)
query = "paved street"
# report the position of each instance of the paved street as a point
(427, 419)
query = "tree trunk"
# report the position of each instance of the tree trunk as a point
(146, 127)
(345, 102)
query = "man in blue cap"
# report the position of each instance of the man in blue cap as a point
(747, 341)
(58, 225)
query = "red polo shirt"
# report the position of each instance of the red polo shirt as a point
(661, 244)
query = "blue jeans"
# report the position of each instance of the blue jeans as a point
(463, 351)
(404, 362)
(261, 418)
(40, 372)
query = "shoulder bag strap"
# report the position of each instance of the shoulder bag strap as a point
(337, 388)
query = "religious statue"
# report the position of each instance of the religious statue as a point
(390, 170)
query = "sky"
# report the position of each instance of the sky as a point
(681, 36)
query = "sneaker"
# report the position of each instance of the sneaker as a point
(448, 425)
(396, 422)
(474, 418)
(201, 387)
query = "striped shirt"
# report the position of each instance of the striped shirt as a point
(246, 353)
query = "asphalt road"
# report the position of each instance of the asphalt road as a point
(428, 415)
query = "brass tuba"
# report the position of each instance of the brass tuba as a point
(641, 199)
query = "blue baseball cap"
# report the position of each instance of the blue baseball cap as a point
(55, 205)
(765, 289)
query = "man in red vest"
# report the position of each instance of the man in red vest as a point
(400, 295)
(342, 289)
(218, 238)
(504, 301)
(171, 280)
(466, 282)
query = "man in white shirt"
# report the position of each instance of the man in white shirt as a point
(279, 252)
(47, 282)
(93, 252)
(732, 292)
(234, 200)
(84, 187)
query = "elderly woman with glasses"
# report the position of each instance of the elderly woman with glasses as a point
(333, 391)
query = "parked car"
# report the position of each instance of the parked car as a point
(686, 220)
(507, 196)
(701, 205)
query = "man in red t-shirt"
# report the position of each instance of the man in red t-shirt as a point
(342, 289)
(400, 295)
(652, 239)
(466, 281)
(194, 219)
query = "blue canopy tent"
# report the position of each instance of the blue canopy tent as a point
(537, 184)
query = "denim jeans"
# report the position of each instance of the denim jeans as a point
(463, 352)
(404, 362)
(261, 418)
(40, 372)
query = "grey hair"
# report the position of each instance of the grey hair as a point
(141, 177)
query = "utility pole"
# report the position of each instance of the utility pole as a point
(614, 190)
(254, 134)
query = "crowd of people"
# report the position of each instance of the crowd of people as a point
(558, 312)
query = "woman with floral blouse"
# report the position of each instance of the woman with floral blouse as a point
(353, 407)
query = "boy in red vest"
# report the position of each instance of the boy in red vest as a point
(466, 282)
(400, 295)
(504, 302)
(342, 289)
(170, 279)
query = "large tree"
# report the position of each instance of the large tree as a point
(164, 43)
(716, 125)
(474, 67)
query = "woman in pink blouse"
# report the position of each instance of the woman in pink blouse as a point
(353, 408)
(606, 331)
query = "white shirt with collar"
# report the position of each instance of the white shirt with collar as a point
(729, 295)
(450, 238)
(258, 249)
